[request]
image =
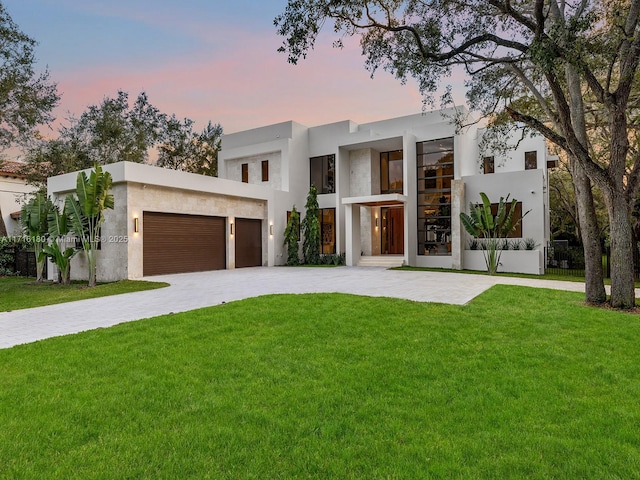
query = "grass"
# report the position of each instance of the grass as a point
(19, 292)
(333, 386)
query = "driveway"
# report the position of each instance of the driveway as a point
(196, 290)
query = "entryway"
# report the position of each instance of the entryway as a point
(392, 235)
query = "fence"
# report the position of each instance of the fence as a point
(25, 263)
(569, 261)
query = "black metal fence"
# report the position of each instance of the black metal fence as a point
(563, 259)
(25, 263)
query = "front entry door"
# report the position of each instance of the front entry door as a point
(392, 230)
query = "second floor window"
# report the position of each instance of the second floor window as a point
(489, 165)
(323, 173)
(530, 160)
(391, 172)
(245, 173)
(265, 170)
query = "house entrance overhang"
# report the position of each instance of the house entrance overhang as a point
(385, 200)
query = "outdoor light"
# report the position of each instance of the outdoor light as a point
(136, 224)
(376, 222)
(271, 229)
(231, 228)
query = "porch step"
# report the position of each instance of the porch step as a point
(387, 261)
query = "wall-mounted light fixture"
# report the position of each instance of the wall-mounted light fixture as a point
(136, 224)
(271, 229)
(376, 222)
(231, 228)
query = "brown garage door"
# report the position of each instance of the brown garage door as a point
(248, 242)
(174, 243)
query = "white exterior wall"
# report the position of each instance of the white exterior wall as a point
(12, 195)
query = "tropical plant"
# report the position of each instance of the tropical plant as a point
(492, 229)
(58, 236)
(474, 243)
(85, 212)
(34, 218)
(311, 229)
(292, 237)
(530, 244)
(515, 244)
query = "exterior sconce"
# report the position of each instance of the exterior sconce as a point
(136, 224)
(376, 222)
(231, 228)
(271, 230)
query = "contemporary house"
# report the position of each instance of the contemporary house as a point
(390, 193)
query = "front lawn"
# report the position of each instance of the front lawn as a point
(520, 383)
(19, 292)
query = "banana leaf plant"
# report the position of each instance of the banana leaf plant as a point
(59, 235)
(491, 229)
(85, 212)
(34, 219)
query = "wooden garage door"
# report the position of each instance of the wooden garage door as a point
(248, 242)
(174, 243)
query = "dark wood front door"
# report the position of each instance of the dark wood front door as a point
(392, 231)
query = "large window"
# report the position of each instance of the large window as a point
(327, 230)
(322, 173)
(391, 171)
(435, 172)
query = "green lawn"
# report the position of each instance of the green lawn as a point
(520, 383)
(19, 292)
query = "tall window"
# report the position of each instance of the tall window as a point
(322, 173)
(435, 172)
(391, 171)
(530, 160)
(489, 165)
(245, 173)
(265, 170)
(327, 230)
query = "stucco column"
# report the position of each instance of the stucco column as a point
(352, 231)
(457, 234)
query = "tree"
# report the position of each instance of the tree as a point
(34, 219)
(492, 229)
(26, 97)
(564, 69)
(58, 235)
(311, 228)
(292, 237)
(85, 212)
(183, 149)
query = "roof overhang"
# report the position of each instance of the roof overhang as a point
(377, 200)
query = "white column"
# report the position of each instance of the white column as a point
(457, 233)
(352, 231)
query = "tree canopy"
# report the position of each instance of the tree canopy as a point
(27, 98)
(564, 69)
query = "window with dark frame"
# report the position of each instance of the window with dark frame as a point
(265, 170)
(391, 172)
(530, 160)
(322, 173)
(435, 163)
(245, 173)
(489, 165)
(327, 230)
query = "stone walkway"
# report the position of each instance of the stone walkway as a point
(196, 290)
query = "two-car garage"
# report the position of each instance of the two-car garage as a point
(180, 243)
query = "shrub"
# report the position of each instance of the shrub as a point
(530, 244)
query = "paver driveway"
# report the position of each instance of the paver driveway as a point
(196, 290)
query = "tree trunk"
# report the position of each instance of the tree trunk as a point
(622, 268)
(589, 233)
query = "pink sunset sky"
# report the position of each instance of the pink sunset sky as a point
(205, 60)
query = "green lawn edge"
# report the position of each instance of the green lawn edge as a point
(18, 293)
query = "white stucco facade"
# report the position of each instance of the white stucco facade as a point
(13, 192)
(378, 181)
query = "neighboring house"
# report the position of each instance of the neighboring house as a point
(390, 193)
(13, 189)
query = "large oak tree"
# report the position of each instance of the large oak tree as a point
(563, 68)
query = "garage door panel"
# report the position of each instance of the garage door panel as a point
(176, 243)
(248, 242)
